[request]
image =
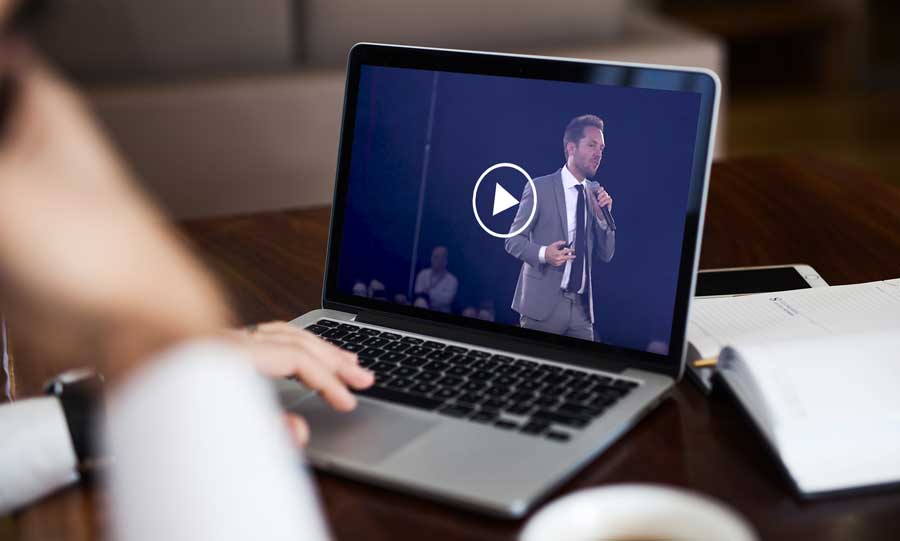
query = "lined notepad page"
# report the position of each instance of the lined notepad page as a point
(805, 313)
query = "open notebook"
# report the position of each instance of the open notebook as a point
(818, 371)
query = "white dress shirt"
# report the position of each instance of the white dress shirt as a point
(441, 290)
(36, 452)
(570, 191)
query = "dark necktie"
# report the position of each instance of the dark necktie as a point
(578, 266)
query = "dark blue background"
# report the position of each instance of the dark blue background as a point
(482, 120)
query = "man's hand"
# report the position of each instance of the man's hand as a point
(279, 349)
(557, 254)
(599, 200)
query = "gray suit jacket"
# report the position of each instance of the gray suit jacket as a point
(538, 290)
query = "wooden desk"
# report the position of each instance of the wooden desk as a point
(761, 211)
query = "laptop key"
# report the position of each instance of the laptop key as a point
(561, 437)
(348, 327)
(390, 336)
(418, 351)
(327, 323)
(547, 416)
(479, 354)
(459, 371)
(353, 348)
(316, 329)
(437, 366)
(406, 371)
(534, 427)
(334, 333)
(456, 410)
(355, 338)
(508, 369)
(529, 385)
(577, 410)
(441, 355)
(423, 388)
(399, 383)
(427, 376)
(434, 345)
(481, 375)
(449, 381)
(494, 404)
(624, 384)
(471, 398)
(520, 409)
(369, 331)
(506, 425)
(397, 346)
(370, 353)
(502, 358)
(411, 340)
(509, 381)
(497, 391)
(474, 385)
(445, 393)
(376, 342)
(382, 367)
(401, 397)
(484, 417)
(456, 349)
(393, 356)
(413, 361)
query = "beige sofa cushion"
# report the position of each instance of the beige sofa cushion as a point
(127, 39)
(333, 26)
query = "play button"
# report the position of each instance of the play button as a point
(503, 201)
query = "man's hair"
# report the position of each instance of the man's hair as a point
(575, 130)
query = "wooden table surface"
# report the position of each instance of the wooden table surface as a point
(760, 211)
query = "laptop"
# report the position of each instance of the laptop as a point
(513, 248)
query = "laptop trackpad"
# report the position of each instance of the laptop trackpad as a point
(368, 434)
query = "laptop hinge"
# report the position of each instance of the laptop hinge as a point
(494, 341)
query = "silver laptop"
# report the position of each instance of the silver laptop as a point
(513, 247)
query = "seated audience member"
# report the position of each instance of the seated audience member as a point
(486, 312)
(94, 276)
(437, 281)
(360, 289)
(377, 290)
(400, 298)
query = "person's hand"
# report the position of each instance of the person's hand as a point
(557, 254)
(90, 273)
(279, 349)
(599, 200)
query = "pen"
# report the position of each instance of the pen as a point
(705, 363)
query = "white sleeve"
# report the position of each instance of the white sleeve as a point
(36, 452)
(541, 253)
(201, 452)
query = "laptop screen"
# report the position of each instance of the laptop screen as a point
(553, 206)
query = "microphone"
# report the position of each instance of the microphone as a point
(607, 215)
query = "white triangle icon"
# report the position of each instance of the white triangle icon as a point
(502, 199)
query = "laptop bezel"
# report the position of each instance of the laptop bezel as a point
(503, 336)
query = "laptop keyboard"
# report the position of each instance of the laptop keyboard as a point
(532, 398)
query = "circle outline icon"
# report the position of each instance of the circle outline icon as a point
(533, 206)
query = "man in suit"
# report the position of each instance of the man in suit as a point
(566, 237)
